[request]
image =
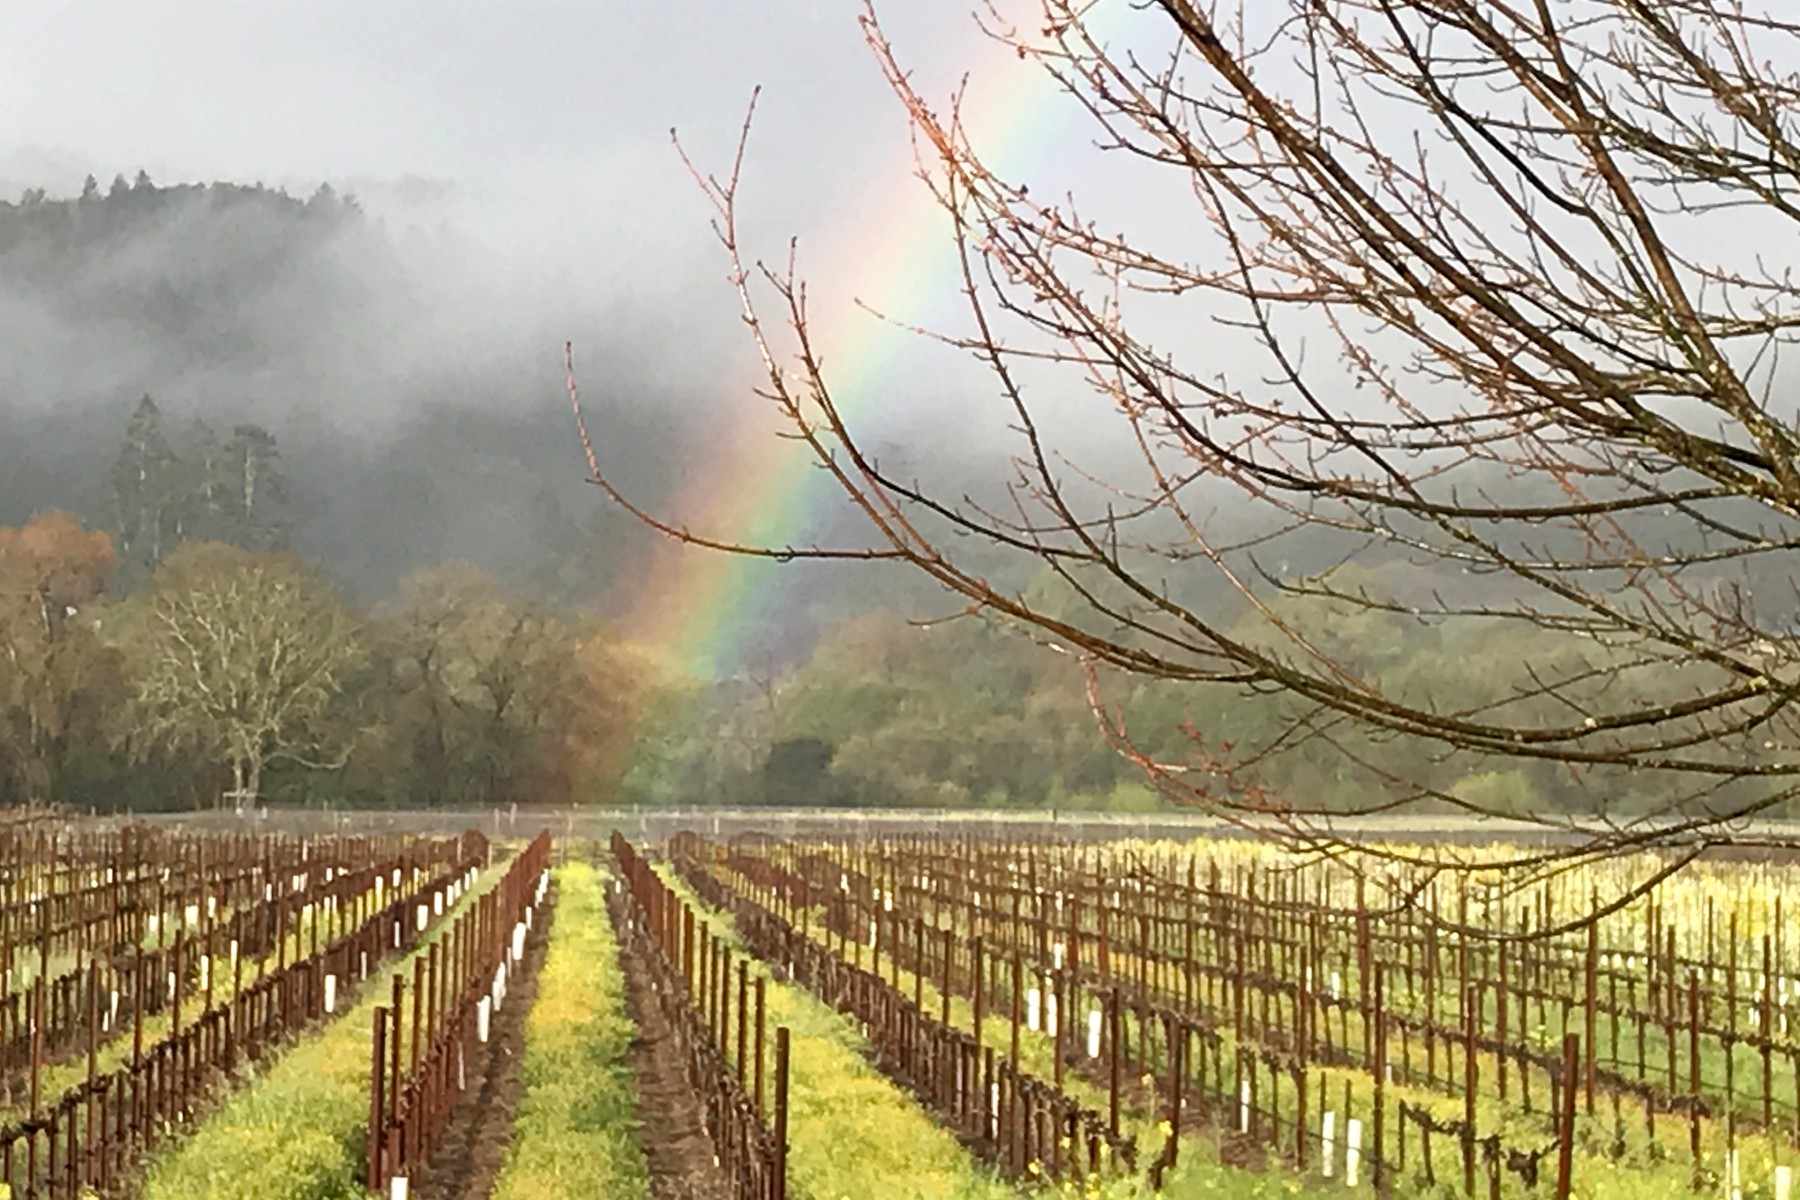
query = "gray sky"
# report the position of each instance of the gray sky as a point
(557, 109)
(548, 120)
(406, 86)
(544, 127)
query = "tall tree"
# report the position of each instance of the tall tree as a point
(146, 484)
(415, 639)
(254, 492)
(238, 656)
(206, 486)
(55, 673)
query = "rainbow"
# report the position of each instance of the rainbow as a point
(699, 610)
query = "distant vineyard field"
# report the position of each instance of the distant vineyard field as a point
(654, 824)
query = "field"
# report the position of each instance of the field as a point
(898, 1017)
(1065, 1008)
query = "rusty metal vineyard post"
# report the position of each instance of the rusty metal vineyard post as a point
(454, 998)
(142, 915)
(694, 972)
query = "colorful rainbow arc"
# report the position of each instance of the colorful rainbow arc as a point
(699, 610)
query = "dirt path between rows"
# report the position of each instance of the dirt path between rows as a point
(679, 1153)
(467, 1161)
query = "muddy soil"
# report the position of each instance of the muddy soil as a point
(679, 1153)
(468, 1158)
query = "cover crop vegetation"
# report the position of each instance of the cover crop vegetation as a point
(577, 1128)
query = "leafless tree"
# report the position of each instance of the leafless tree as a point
(1547, 243)
(236, 655)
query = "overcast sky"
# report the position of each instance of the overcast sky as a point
(407, 86)
(557, 109)
(546, 121)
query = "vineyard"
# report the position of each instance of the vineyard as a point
(1065, 1008)
(445, 1018)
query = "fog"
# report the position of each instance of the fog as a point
(364, 234)
(518, 188)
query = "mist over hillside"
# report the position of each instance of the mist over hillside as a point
(404, 441)
(410, 374)
(385, 396)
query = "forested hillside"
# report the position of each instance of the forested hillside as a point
(246, 313)
(206, 388)
(250, 411)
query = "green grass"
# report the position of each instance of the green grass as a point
(855, 1135)
(115, 1048)
(1642, 1171)
(298, 1133)
(852, 1134)
(576, 1131)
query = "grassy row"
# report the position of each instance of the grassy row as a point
(852, 1134)
(1200, 1172)
(1641, 1174)
(298, 1134)
(116, 1047)
(576, 1130)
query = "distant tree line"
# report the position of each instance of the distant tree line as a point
(184, 657)
(98, 214)
(177, 652)
(968, 713)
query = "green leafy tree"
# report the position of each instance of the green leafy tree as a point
(798, 771)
